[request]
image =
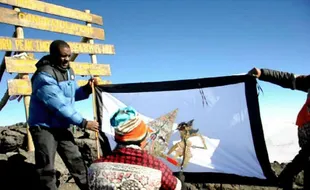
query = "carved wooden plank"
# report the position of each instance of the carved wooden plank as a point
(35, 45)
(28, 66)
(53, 9)
(100, 82)
(23, 86)
(12, 17)
(19, 87)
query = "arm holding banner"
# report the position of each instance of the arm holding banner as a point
(283, 79)
(301, 160)
(83, 92)
(46, 89)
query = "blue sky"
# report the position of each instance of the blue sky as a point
(158, 40)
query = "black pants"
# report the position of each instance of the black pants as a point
(47, 141)
(300, 162)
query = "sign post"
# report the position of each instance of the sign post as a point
(21, 85)
(94, 61)
(20, 35)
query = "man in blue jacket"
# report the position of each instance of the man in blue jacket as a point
(51, 112)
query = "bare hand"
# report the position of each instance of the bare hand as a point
(92, 125)
(94, 80)
(255, 72)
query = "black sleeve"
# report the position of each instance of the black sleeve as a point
(87, 89)
(303, 82)
(83, 124)
(286, 79)
(283, 79)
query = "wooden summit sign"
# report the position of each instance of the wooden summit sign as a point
(43, 7)
(28, 66)
(21, 85)
(33, 45)
(12, 17)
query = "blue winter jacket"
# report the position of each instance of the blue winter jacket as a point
(54, 91)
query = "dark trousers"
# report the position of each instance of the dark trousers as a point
(47, 141)
(300, 162)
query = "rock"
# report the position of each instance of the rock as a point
(11, 140)
(88, 149)
(17, 169)
(191, 186)
(20, 129)
(3, 157)
(17, 164)
(15, 173)
(68, 186)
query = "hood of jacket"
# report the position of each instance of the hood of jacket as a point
(47, 60)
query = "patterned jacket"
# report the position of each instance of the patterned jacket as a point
(131, 168)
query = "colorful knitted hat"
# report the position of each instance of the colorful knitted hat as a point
(128, 125)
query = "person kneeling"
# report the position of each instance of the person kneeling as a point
(129, 166)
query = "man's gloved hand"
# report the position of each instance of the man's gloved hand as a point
(88, 87)
(255, 72)
(93, 80)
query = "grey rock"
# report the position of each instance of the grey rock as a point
(11, 140)
(17, 163)
(68, 186)
(3, 157)
(20, 129)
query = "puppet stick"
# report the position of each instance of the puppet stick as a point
(95, 117)
(170, 159)
(184, 153)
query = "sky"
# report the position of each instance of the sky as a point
(158, 40)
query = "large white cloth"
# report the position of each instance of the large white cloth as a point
(226, 118)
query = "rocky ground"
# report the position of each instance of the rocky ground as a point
(17, 165)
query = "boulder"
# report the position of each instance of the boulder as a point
(17, 170)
